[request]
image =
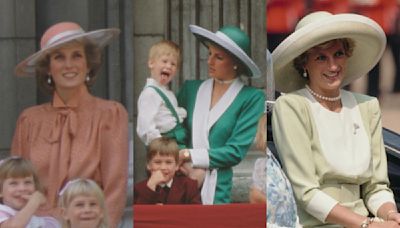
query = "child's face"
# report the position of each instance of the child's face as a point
(17, 190)
(165, 163)
(163, 68)
(83, 211)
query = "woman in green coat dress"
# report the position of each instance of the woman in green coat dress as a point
(222, 111)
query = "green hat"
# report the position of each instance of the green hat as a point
(234, 41)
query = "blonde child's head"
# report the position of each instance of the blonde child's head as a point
(78, 192)
(261, 135)
(17, 167)
(164, 61)
(165, 47)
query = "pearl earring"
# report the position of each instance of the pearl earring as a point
(235, 67)
(87, 78)
(49, 80)
(305, 74)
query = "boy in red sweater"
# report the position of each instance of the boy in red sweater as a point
(163, 186)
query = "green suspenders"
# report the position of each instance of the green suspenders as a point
(167, 102)
(178, 132)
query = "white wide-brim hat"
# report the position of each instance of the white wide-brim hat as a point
(234, 41)
(319, 27)
(60, 34)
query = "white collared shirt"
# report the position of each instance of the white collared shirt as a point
(168, 184)
(154, 117)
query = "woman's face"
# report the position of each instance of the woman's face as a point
(220, 63)
(68, 67)
(326, 66)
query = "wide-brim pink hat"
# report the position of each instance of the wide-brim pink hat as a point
(319, 27)
(60, 34)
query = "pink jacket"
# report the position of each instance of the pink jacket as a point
(88, 138)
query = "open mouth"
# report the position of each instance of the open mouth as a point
(165, 74)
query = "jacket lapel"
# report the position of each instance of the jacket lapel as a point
(224, 103)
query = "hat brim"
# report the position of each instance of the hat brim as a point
(204, 35)
(99, 37)
(368, 36)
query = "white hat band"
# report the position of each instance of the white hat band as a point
(63, 35)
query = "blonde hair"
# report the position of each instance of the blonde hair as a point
(17, 167)
(79, 187)
(165, 47)
(261, 135)
(163, 146)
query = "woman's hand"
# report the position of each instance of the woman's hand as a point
(344, 216)
(185, 168)
(393, 216)
(385, 224)
(388, 212)
(184, 156)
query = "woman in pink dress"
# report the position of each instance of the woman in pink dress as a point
(75, 135)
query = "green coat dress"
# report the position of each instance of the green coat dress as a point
(226, 131)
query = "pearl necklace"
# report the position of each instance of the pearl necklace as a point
(219, 81)
(322, 97)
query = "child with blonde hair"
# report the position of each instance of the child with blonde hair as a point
(158, 111)
(82, 205)
(21, 196)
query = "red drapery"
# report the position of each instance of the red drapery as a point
(177, 216)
